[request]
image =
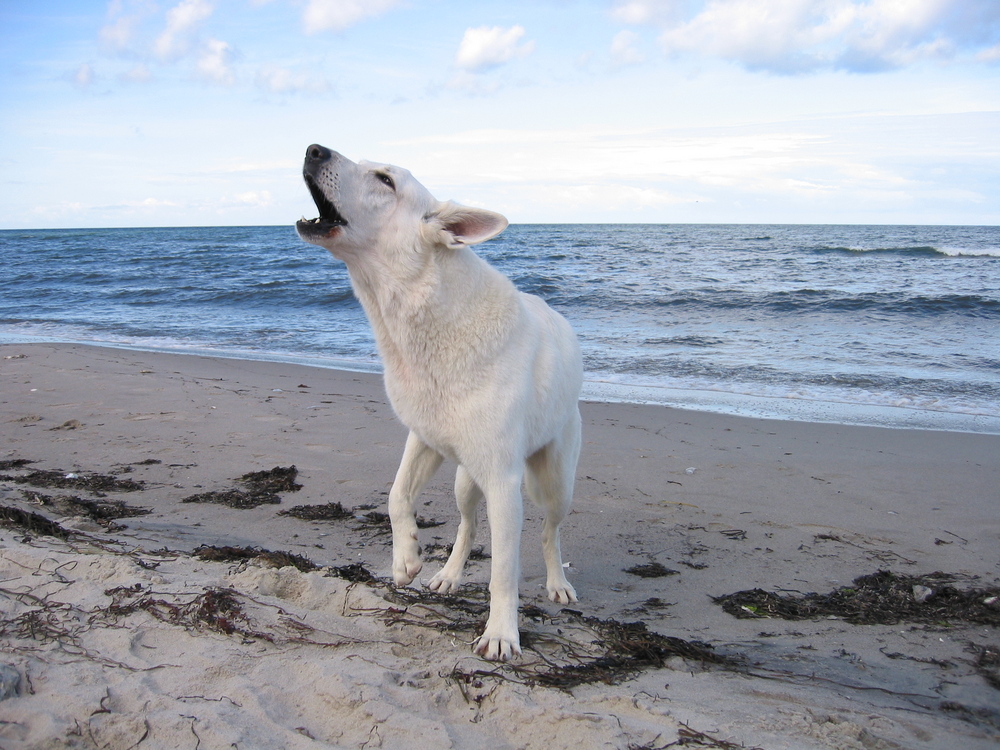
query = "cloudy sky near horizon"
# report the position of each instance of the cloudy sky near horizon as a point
(198, 112)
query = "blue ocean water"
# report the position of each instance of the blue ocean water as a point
(884, 324)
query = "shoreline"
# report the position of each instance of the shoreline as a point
(602, 389)
(722, 503)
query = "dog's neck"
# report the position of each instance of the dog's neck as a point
(420, 310)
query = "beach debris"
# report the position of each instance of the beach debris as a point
(606, 651)
(31, 523)
(882, 598)
(690, 469)
(987, 663)
(69, 424)
(257, 554)
(14, 463)
(354, 573)
(104, 512)
(688, 737)
(381, 520)
(85, 481)
(326, 512)
(278, 479)
(441, 552)
(651, 570)
(262, 488)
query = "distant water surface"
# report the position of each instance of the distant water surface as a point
(873, 324)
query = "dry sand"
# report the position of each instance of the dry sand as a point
(119, 637)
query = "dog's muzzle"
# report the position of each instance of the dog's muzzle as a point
(329, 219)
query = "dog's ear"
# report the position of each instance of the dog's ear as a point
(464, 225)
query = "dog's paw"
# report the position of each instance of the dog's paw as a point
(405, 560)
(498, 647)
(444, 583)
(562, 592)
(403, 571)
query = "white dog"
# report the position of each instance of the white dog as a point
(479, 372)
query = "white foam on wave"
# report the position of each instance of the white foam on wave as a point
(797, 405)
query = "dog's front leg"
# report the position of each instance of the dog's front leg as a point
(501, 641)
(418, 465)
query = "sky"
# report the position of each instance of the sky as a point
(198, 112)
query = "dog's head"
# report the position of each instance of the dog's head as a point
(365, 206)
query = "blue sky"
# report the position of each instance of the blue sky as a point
(198, 112)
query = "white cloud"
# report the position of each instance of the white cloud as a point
(151, 203)
(644, 11)
(337, 15)
(278, 80)
(214, 63)
(259, 198)
(182, 21)
(990, 55)
(793, 36)
(623, 49)
(487, 47)
(84, 76)
(118, 35)
(137, 74)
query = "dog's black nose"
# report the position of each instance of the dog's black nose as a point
(318, 153)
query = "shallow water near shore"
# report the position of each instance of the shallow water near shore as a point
(894, 326)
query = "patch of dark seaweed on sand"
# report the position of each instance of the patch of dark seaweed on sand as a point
(103, 512)
(571, 649)
(257, 554)
(215, 609)
(441, 552)
(882, 598)
(262, 488)
(447, 613)
(278, 479)
(987, 663)
(381, 521)
(85, 481)
(651, 570)
(14, 463)
(610, 652)
(354, 572)
(31, 523)
(326, 512)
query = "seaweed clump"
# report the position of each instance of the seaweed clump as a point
(261, 488)
(103, 512)
(326, 512)
(651, 570)
(628, 649)
(882, 598)
(354, 573)
(215, 609)
(264, 556)
(31, 523)
(85, 481)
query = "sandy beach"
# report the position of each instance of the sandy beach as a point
(122, 627)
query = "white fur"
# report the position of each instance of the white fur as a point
(479, 372)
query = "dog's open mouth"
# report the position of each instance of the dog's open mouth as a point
(329, 217)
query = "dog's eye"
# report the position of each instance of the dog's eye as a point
(386, 179)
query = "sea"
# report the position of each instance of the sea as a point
(897, 326)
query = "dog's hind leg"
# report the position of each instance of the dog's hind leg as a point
(549, 477)
(418, 465)
(468, 495)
